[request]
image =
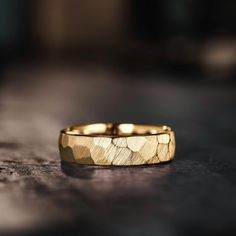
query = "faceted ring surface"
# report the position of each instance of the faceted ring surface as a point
(117, 144)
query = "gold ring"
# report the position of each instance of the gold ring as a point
(117, 144)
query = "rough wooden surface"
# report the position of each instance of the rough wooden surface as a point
(194, 194)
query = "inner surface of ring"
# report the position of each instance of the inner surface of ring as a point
(109, 129)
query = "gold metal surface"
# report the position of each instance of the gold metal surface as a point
(117, 144)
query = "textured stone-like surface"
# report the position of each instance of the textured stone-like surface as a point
(193, 195)
(135, 150)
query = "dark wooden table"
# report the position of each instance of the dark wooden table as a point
(193, 195)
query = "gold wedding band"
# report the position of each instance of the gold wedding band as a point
(117, 144)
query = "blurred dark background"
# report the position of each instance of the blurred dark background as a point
(179, 36)
(64, 62)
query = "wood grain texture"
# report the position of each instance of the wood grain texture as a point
(192, 195)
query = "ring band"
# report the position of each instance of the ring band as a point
(117, 144)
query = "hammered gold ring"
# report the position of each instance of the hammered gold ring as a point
(117, 144)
